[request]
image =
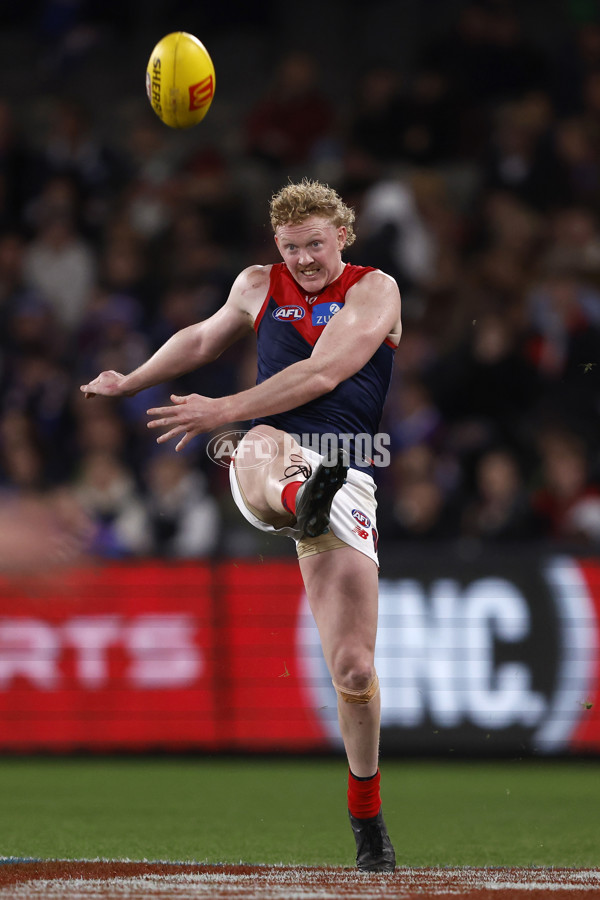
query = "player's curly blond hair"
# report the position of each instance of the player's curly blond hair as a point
(296, 202)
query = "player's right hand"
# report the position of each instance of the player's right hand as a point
(107, 384)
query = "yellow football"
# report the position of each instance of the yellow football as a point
(180, 80)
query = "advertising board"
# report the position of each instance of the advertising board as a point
(496, 656)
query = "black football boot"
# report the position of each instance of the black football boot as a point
(374, 850)
(314, 499)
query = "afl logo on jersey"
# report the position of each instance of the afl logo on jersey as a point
(361, 518)
(288, 313)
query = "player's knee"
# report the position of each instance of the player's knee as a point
(268, 441)
(358, 685)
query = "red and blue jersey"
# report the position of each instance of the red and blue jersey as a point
(288, 326)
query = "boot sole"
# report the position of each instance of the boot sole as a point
(314, 507)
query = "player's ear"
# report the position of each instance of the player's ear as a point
(342, 234)
(277, 243)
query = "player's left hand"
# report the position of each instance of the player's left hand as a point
(190, 415)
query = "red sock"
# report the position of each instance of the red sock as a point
(364, 801)
(288, 496)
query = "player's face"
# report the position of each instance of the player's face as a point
(312, 252)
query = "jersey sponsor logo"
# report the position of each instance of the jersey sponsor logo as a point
(201, 93)
(288, 313)
(361, 518)
(361, 532)
(323, 312)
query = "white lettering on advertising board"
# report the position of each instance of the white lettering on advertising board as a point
(160, 650)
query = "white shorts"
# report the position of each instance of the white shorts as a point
(352, 518)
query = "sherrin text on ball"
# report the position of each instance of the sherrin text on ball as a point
(180, 80)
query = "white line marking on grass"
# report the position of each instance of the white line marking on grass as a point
(192, 887)
(311, 883)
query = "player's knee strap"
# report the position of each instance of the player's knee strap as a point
(352, 696)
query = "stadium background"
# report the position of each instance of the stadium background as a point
(137, 610)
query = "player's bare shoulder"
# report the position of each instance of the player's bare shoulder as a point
(250, 289)
(380, 291)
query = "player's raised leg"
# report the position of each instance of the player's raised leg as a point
(279, 484)
(342, 588)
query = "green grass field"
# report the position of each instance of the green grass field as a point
(293, 811)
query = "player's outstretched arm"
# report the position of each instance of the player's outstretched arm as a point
(191, 347)
(180, 354)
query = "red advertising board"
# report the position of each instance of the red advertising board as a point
(586, 735)
(269, 707)
(481, 657)
(112, 657)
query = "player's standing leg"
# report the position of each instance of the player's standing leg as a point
(342, 589)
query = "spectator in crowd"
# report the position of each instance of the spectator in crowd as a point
(567, 501)
(208, 184)
(59, 263)
(107, 492)
(25, 317)
(105, 431)
(419, 513)
(427, 120)
(573, 246)
(488, 55)
(110, 332)
(500, 509)
(486, 381)
(183, 517)
(522, 156)
(73, 151)
(124, 270)
(22, 465)
(564, 346)
(486, 59)
(576, 149)
(286, 125)
(144, 202)
(38, 387)
(414, 418)
(374, 125)
(394, 236)
(117, 431)
(418, 506)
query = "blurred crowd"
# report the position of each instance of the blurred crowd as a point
(476, 182)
